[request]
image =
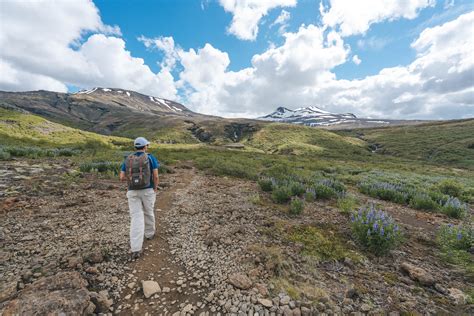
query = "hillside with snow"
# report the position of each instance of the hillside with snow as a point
(316, 117)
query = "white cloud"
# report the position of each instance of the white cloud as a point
(282, 20)
(437, 84)
(355, 17)
(43, 47)
(356, 60)
(246, 15)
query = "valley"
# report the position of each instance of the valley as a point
(254, 217)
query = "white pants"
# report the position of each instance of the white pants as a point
(142, 216)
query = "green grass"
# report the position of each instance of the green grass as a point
(443, 143)
(18, 129)
(321, 244)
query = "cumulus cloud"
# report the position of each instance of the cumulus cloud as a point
(355, 17)
(246, 15)
(437, 84)
(356, 60)
(43, 47)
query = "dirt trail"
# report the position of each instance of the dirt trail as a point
(157, 263)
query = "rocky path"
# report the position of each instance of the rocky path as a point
(221, 248)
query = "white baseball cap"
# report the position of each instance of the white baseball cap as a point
(141, 142)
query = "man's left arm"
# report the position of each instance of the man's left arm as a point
(156, 180)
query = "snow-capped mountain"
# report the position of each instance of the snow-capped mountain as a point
(133, 100)
(310, 116)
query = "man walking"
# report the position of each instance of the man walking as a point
(140, 169)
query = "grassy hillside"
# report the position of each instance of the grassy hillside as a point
(25, 129)
(300, 140)
(448, 143)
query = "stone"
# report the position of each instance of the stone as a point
(265, 302)
(305, 311)
(7, 291)
(458, 297)
(150, 288)
(365, 308)
(101, 301)
(92, 270)
(73, 262)
(166, 289)
(64, 293)
(418, 274)
(95, 256)
(240, 281)
(131, 285)
(262, 289)
(285, 300)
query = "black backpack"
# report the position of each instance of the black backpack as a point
(138, 171)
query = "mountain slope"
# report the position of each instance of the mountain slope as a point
(316, 117)
(446, 142)
(127, 113)
(20, 129)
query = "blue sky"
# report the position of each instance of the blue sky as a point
(192, 24)
(233, 58)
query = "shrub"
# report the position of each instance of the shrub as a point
(455, 243)
(324, 192)
(297, 188)
(296, 206)
(454, 208)
(459, 237)
(101, 167)
(347, 203)
(266, 184)
(423, 201)
(375, 230)
(310, 195)
(281, 194)
(397, 193)
(338, 186)
(450, 187)
(4, 155)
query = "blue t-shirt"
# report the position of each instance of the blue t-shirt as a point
(154, 164)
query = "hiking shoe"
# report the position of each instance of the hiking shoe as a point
(150, 238)
(136, 255)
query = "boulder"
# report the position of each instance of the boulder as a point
(63, 293)
(418, 274)
(150, 288)
(240, 281)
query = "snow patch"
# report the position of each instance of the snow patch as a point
(106, 90)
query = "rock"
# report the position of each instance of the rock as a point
(458, 297)
(365, 308)
(101, 302)
(92, 270)
(166, 289)
(240, 281)
(265, 302)
(7, 291)
(262, 289)
(150, 288)
(131, 285)
(187, 308)
(95, 256)
(418, 274)
(285, 300)
(305, 311)
(73, 262)
(63, 293)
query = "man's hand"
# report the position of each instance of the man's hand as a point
(122, 176)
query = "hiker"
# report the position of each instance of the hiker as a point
(140, 169)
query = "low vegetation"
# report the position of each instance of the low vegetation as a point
(455, 243)
(375, 230)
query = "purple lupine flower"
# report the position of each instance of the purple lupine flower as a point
(376, 226)
(381, 231)
(459, 236)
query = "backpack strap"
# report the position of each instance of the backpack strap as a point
(131, 158)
